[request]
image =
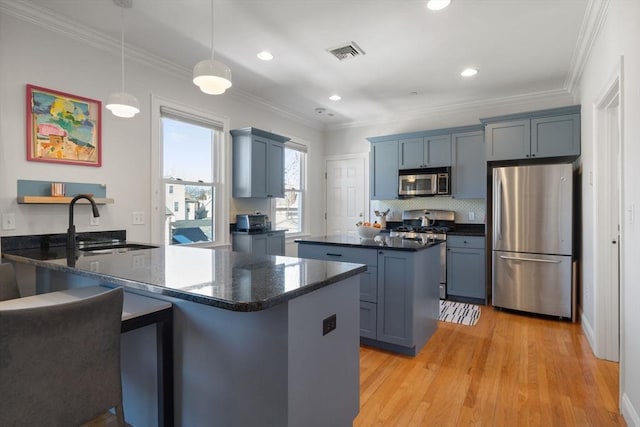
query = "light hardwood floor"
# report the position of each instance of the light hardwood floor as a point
(508, 370)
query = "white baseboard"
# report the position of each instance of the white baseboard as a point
(629, 412)
(588, 332)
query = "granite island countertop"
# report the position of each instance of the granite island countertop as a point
(210, 276)
(380, 241)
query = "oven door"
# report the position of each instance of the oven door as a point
(418, 185)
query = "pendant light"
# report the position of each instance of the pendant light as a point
(211, 76)
(123, 104)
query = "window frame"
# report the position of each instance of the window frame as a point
(220, 164)
(303, 148)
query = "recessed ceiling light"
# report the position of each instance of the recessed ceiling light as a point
(335, 97)
(438, 4)
(468, 72)
(265, 55)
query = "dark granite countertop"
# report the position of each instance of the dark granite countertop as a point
(216, 277)
(468, 230)
(382, 240)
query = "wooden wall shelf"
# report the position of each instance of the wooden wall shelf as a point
(46, 200)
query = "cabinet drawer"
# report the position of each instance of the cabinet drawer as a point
(338, 253)
(475, 242)
(368, 320)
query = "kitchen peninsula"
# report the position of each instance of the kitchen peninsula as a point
(399, 292)
(258, 340)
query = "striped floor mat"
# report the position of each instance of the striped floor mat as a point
(457, 312)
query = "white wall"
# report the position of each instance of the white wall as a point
(618, 37)
(50, 57)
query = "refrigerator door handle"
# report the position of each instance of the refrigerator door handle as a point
(499, 209)
(551, 261)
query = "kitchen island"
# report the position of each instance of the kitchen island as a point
(399, 292)
(258, 340)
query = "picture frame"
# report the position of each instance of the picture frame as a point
(63, 128)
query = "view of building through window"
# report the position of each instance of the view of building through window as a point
(187, 150)
(288, 210)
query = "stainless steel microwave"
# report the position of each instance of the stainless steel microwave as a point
(424, 182)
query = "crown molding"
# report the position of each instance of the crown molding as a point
(59, 24)
(594, 17)
(556, 96)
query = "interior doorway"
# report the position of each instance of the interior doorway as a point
(347, 193)
(608, 222)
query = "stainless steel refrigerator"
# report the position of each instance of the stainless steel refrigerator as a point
(532, 239)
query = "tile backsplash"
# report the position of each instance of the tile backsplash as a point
(464, 208)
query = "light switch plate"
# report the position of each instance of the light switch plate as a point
(138, 218)
(8, 221)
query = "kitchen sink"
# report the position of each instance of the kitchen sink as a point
(116, 248)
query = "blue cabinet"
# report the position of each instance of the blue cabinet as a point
(384, 170)
(423, 152)
(258, 163)
(538, 134)
(272, 243)
(395, 297)
(469, 167)
(399, 293)
(466, 267)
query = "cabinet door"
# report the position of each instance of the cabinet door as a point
(466, 272)
(384, 170)
(509, 140)
(395, 297)
(259, 245)
(411, 153)
(469, 166)
(259, 169)
(438, 151)
(275, 166)
(275, 244)
(368, 320)
(555, 136)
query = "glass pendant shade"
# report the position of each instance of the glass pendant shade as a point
(122, 104)
(212, 77)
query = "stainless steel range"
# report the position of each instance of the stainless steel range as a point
(428, 224)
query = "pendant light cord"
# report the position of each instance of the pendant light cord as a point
(211, 29)
(122, 44)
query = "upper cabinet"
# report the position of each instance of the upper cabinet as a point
(384, 170)
(424, 152)
(538, 134)
(258, 163)
(469, 167)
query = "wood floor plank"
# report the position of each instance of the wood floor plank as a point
(507, 370)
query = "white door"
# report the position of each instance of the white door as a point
(346, 194)
(606, 299)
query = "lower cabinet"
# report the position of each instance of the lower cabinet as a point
(271, 243)
(368, 314)
(399, 293)
(466, 267)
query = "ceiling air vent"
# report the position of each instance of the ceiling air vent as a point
(347, 51)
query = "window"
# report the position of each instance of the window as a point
(190, 147)
(289, 210)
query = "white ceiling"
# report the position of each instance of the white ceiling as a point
(413, 55)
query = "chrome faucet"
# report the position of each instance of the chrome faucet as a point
(71, 231)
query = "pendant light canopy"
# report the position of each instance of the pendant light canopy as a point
(212, 76)
(123, 104)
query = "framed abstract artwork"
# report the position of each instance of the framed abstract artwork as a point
(63, 128)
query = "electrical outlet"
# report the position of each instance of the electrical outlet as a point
(8, 221)
(329, 324)
(137, 261)
(138, 218)
(472, 216)
(95, 220)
